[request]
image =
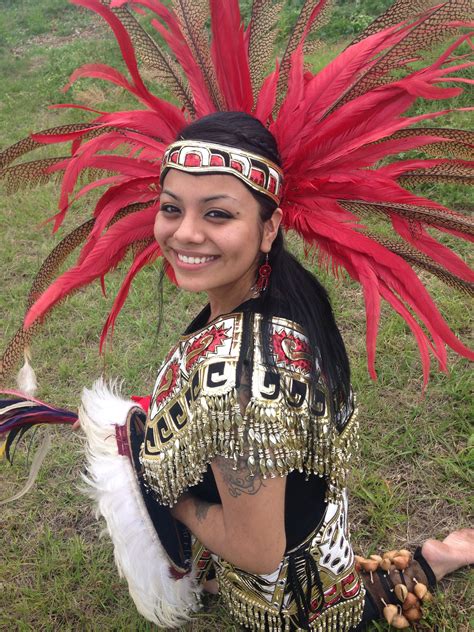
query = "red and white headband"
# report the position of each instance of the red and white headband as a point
(194, 156)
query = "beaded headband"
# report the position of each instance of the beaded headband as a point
(257, 172)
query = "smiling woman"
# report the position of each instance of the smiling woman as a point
(210, 231)
(233, 475)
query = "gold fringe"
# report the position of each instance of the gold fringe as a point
(274, 439)
(254, 615)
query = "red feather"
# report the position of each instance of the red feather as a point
(329, 141)
(113, 201)
(230, 57)
(265, 101)
(418, 237)
(149, 254)
(107, 254)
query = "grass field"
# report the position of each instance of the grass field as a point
(414, 477)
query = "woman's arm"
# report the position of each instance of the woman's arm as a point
(248, 529)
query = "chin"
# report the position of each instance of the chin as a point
(191, 285)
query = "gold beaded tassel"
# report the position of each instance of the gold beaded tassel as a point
(274, 439)
(338, 618)
(343, 447)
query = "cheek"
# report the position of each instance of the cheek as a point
(160, 230)
(242, 245)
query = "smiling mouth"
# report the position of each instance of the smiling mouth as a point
(194, 260)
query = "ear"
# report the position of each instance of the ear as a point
(270, 230)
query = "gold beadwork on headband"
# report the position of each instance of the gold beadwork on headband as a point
(257, 172)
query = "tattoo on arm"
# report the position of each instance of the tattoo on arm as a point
(238, 481)
(201, 509)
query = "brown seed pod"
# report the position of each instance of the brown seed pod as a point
(401, 592)
(411, 601)
(427, 596)
(405, 553)
(389, 612)
(376, 558)
(401, 562)
(420, 590)
(391, 554)
(400, 622)
(385, 564)
(358, 562)
(369, 565)
(413, 615)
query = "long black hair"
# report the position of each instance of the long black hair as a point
(305, 299)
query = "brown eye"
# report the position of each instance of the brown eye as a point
(169, 209)
(218, 214)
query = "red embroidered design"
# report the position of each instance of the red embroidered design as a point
(192, 160)
(167, 383)
(257, 176)
(350, 586)
(336, 594)
(291, 350)
(272, 184)
(208, 342)
(217, 161)
(237, 165)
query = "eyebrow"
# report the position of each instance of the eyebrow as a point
(210, 198)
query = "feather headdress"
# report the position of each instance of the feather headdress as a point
(340, 133)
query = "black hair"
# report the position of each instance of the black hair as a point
(305, 300)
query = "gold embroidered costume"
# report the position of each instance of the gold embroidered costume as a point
(291, 422)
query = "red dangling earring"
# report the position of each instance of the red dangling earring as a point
(263, 275)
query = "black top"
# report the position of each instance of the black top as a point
(304, 497)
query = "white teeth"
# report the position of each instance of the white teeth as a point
(194, 260)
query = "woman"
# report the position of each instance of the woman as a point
(277, 527)
(252, 422)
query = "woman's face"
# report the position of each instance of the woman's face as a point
(209, 229)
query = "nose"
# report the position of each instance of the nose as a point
(189, 229)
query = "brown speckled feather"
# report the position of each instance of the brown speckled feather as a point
(295, 39)
(8, 155)
(430, 216)
(156, 60)
(55, 258)
(65, 247)
(30, 173)
(460, 145)
(399, 11)
(312, 44)
(22, 338)
(455, 173)
(424, 36)
(192, 16)
(14, 351)
(416, 258)
(262, 40)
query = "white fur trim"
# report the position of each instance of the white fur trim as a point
(139, 554)
(26, 377)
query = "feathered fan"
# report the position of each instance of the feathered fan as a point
(338, 131)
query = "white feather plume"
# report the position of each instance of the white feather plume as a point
(139, 554)
(26, 377)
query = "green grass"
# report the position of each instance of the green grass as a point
(414, 477)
